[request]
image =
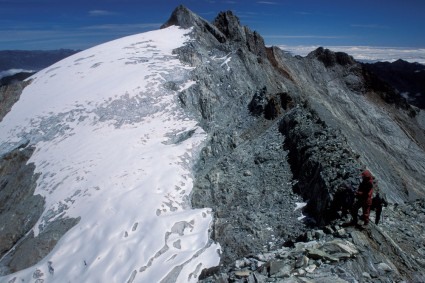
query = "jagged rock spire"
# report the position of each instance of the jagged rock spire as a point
(330, 58)
(225, 27)
(185, 18)
(182, 17)
(230, 26)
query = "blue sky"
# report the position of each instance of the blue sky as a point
(78, 24)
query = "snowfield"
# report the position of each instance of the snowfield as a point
(114, 148)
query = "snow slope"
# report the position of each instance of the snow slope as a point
(114, 148)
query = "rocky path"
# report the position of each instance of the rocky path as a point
(390, 252)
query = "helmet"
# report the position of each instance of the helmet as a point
(367, 174)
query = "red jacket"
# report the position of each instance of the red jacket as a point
(365, 190)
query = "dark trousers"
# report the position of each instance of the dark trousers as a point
(365, 209)
(378, 210)
(378, 214)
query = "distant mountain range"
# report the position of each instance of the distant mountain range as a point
(407, 78)
(14, 61)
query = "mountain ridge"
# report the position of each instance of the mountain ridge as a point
(342, 80)
(279, 130)
(407, 78)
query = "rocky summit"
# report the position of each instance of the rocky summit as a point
(284, 134)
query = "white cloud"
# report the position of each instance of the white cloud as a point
(101, 13)
(305, 36)
(120, 27)
(366, 53)
(12, 72)
(370, 26)
(267, 2)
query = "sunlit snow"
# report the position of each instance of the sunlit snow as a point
(299, 205)
(104, 125)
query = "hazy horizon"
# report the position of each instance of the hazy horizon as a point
(78, 25)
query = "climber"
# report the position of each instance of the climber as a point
(343, 201)
(363, 198)
(378, 202)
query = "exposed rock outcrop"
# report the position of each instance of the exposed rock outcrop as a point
(13, 79)
(383, 253)
(284, 130)
(330, 58)
(9, 94)
(321, 161)
(334, 121)
(20, 207)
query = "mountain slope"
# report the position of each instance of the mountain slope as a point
(407, 78)
(113, 152)
(380, 126)
(333, 115)
(128, 135)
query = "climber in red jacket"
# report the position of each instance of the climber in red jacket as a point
(363, 198)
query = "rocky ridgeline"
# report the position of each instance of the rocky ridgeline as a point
(281, 130)
(321, 161)
(391, 252)
(243, 173)
(332, 251)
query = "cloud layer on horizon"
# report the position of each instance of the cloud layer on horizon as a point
(365, 53)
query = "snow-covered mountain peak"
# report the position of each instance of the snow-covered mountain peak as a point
(96, 171)
(103, 126)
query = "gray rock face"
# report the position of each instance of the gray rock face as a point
(243, 173)
(321, 161)
(274, 121)
(31, 249)
(380, 127)
(20, 209)
(250, 191)
(330, 59)
(9, 94)
(281, 130)
(374, 254)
